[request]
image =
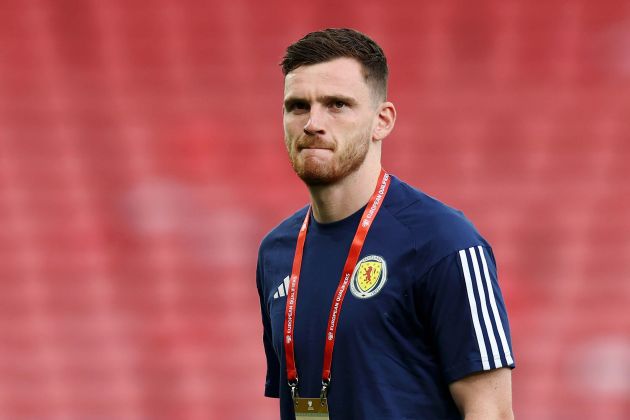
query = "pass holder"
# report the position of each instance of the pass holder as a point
(310, 408)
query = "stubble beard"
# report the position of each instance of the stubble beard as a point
(315, 172)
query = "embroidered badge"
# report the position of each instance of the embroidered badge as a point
(369, 277)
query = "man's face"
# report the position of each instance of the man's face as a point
(329, 116)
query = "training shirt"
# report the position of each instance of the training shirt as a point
(424, 309)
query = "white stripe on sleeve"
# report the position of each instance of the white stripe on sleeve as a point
(484, 309)
(473, 311)
(495, 311)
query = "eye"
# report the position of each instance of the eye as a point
(339, 104)
(298, 107)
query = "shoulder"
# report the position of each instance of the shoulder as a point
(284, 232)
(438, 230)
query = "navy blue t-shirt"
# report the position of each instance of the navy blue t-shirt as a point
(424, 309)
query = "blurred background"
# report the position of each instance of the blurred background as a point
(142, 161)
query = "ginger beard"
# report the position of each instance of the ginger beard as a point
(342, 161)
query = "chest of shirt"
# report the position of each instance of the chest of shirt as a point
(378, 297)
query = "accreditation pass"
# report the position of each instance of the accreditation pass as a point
(311, 408)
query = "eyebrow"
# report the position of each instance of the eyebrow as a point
(292, 100)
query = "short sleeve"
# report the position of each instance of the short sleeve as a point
(466, 314)
(272, 384)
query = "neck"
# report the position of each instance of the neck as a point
(334, 202)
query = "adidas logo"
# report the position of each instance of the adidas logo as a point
(282, 289)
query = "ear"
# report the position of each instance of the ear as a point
(385, 120)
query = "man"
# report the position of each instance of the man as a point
(423, 333)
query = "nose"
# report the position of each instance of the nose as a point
(314, 124)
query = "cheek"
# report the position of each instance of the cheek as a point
(293, 126)
(291, 134)
(355, 130)
(288, 131)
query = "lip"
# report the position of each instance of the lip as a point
(314, 148)
(315, 152)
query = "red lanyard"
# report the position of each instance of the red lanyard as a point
(369, 214)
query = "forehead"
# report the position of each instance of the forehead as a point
(338, 76)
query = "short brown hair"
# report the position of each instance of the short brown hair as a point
(328, 44)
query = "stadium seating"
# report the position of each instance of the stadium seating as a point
(142, 161)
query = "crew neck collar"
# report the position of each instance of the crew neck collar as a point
(352, 220)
